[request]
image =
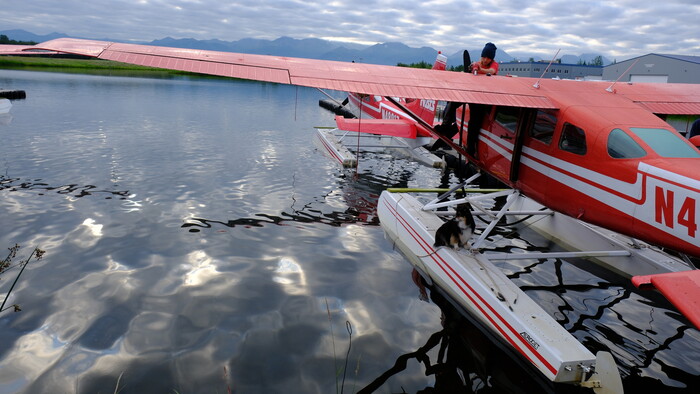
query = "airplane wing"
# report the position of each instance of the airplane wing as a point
(663, 98)
(6, 49)
(13, 49)
(681, 288)
(388, 81)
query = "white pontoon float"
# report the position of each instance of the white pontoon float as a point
(335, 142)
(493, 302)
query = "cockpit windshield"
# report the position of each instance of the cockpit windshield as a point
(622, 146)
(665, 143)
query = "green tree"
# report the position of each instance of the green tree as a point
(424, 64)
(6, 40)
(421, 64)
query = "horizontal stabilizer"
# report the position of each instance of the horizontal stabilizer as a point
(392, 127)
(681, 288)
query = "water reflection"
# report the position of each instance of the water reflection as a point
(333, 219)
(461, 359)
(12, 184)
(291, 276)
(605, 311)
(5, 119)
(359, 192)
(201, 269)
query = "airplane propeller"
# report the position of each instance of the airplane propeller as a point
(466, 61)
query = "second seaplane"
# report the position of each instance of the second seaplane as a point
(577, 151)
(401, 125)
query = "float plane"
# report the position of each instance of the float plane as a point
(597, 154)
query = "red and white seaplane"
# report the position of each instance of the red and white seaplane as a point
(610, 172)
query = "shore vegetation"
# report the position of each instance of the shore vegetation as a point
(31, 61)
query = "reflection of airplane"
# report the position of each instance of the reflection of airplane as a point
(5, 106)
(74, 190)
(466, 359)
(591, 153)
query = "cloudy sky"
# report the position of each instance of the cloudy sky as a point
(618, 29)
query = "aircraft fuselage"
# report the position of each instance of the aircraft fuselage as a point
(602, 159)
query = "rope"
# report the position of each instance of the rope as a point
(359, 127)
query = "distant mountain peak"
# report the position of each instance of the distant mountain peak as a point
(387, 53)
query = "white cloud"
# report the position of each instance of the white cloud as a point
(619, 29)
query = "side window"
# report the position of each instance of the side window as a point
(543, 130)
(573, 139)
(622, 146)
(508, 117)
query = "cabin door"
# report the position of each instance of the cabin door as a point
(501, 141)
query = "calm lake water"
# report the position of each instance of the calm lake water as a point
(197, 242)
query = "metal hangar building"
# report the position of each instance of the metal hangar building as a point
(656, 68)
(556, 70)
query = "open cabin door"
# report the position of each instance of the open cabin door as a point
(509, 129)
(525, 124)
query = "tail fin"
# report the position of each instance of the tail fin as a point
(425, 109)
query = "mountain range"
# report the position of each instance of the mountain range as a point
(389, 53)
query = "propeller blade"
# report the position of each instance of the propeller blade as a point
(466, 61)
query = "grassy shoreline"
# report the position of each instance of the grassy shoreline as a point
(87, 66)
(57, 62)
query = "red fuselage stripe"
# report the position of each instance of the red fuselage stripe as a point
(569, 174)
(592, 183)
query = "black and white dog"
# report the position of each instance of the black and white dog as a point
(458, 230)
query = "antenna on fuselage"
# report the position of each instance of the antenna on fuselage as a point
(537, 84)
(610, 88)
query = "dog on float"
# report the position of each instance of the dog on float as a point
(457, 231)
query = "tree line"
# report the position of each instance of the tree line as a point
(6, 40)
(424, 64)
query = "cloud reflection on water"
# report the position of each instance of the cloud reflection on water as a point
(263, 289)
(291, 276)
(201, 269)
